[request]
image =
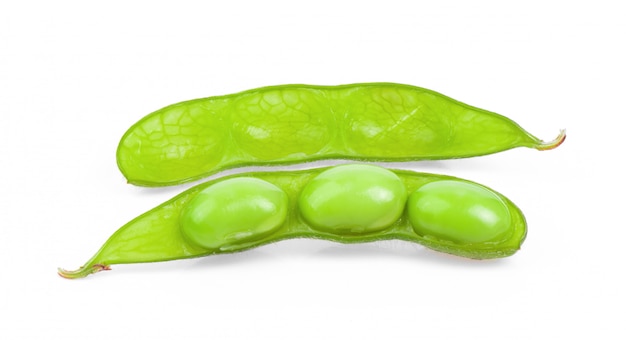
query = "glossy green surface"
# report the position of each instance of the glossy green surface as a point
(233, 211)
(158, 234)
(296, 123)
(460, 212)
(353, 199)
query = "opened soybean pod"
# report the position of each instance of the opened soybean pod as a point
(346, 203)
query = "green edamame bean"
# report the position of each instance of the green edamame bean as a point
(460, 212)
(353, 199)
(233, 211)
(297, 123)
(248, 210)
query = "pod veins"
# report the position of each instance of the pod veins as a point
(289, 124)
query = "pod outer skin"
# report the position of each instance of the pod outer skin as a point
(156, 236)
(289, 124)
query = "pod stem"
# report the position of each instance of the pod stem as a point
(83, 271)
(552, 144)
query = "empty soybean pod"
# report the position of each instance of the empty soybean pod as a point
(298, 123)
(347, 203)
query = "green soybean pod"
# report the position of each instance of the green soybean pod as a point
(346, 203)
(298, 123)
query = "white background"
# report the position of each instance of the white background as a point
(75, 76)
